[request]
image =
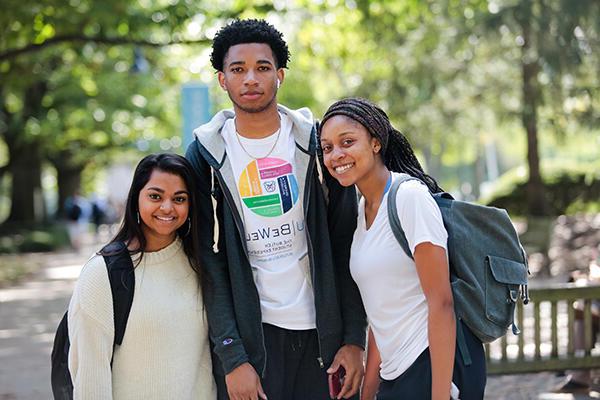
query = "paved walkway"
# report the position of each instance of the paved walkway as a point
(30, 312)
(29, 315)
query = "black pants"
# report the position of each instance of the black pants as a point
(415, 382)
(293, 371)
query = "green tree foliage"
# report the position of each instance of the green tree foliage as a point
(81, 80)
(82, 77)
(420, 65)
(454, 75)
(557, 45)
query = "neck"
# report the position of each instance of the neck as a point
(156, 244)
(257, 125)
(373, 185)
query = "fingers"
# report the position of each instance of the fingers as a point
(247, 396)
(349, 389)
(243, 383)
(334, 366)
(355, 386)
(351, 385)
(261, 393)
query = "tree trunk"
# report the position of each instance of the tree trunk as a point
(25, 159)
(69, 181)
(536, 198)
(27, 204)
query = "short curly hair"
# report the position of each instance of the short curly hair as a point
(248, 31)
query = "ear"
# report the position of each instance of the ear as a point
(280, 75)
(221, 78)
(375, 145)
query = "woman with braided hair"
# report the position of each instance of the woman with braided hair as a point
(412, 334)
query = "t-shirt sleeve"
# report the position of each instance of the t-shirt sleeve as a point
(91, 333)
(420, 216)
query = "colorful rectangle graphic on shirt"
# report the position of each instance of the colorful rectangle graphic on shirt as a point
(286, 195)
(254, 179)
(264, 163)
(268, 186)
(275, 172)
(270, 211)
(261, 201)
(294, 187)
(244, 185)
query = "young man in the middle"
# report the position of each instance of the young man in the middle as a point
(283, 309)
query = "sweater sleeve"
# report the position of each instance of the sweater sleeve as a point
(91, 333)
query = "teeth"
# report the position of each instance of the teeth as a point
(342, 168)
(165, 218)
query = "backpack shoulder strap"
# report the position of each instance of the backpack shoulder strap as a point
(122, 283)
(393, 212)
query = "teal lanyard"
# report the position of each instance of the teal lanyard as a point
(387, 186)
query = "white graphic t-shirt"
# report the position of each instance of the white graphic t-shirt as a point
(274, 224)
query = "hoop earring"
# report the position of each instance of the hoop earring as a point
(138, 217)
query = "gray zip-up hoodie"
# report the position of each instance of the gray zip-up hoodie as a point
(231, 297)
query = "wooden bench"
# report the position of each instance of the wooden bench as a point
(547, 332)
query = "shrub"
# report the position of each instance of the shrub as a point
(570, 188)
(37, 239)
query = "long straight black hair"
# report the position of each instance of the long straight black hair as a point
(131, 231)
(397, 154)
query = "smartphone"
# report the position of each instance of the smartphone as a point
(336, 381)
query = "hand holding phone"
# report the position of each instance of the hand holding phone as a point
(336, 381)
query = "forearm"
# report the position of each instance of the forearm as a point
(442, 342)
(371, 380)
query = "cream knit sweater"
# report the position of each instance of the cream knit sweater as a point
(165, 351)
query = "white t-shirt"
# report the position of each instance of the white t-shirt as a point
(387, 278)
(274, 224)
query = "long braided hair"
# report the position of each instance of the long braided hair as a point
(397, 154)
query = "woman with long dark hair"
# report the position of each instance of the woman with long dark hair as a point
(412, 335)
(165, 349)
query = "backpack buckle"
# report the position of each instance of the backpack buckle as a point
(525, 294)
(515, 329)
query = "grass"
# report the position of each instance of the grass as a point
(14, 267)
(17, 248)
(36, 239)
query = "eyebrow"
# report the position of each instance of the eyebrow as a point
(342, 134)
(244, 62)
(157, 189)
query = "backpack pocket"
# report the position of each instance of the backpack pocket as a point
(503, 288)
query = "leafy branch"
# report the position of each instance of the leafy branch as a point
(34, 47)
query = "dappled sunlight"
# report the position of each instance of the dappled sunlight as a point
(66, 272)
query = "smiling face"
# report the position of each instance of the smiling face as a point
(163, 206)
(349, 151)
(250, 77)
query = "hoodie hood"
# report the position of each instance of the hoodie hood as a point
(209, 134)
(212, 148)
